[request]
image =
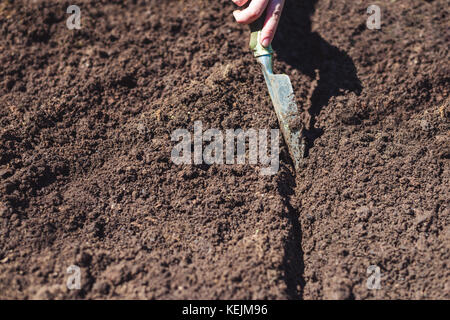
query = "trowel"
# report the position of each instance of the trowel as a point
(282, 95)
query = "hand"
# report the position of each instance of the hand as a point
(255, 10)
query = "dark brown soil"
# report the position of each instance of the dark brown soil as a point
(86, 118)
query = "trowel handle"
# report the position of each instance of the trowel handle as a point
(255, 44)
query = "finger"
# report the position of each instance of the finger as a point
(273, 18)
(252, 12)
(240, 3)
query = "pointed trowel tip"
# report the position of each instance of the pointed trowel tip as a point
(283, 99)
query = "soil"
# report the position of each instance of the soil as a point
(86, 118)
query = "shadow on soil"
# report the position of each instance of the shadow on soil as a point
(293, 253)
(308, 52)
(334, 73)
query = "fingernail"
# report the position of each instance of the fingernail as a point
(266, 42)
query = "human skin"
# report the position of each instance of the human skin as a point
(254, 10)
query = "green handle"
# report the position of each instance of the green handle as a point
(256, 28)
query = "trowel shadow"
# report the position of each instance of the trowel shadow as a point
(311, 55)
(293, 264)
(335, 73)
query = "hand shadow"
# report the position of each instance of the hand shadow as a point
(307, 51)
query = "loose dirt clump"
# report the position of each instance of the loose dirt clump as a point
(86, 176)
